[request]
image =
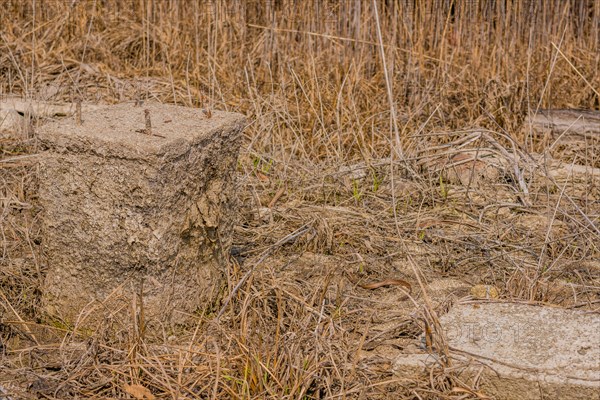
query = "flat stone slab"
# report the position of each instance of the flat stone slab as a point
(528, 351)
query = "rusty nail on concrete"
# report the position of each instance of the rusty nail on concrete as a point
(78, 111)
(148, 122)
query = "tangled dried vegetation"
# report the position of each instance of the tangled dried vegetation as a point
(427, 169)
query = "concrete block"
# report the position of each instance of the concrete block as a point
(137, 211)
(526, 351)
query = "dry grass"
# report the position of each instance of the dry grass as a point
(347, 167)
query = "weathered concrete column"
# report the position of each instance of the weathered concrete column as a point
(131, 208)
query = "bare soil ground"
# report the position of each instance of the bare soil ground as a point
(447, 187)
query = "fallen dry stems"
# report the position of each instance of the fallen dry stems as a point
(318, 161)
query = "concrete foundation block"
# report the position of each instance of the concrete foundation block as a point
(137, 210)
(519, 351)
